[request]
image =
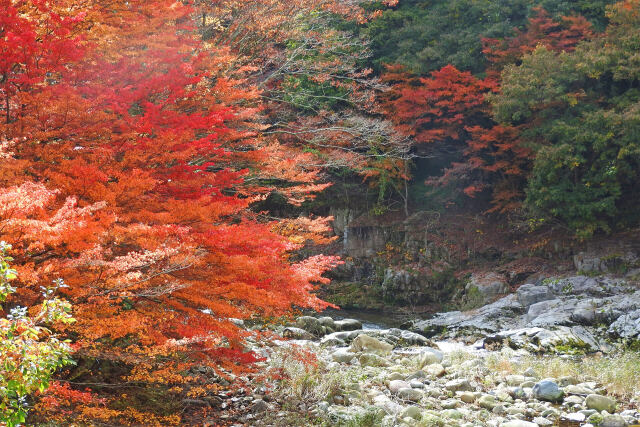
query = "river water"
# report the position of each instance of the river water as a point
(369, 319)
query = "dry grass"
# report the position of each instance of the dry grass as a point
(619, 373)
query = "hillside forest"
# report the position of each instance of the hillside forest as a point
(182, 180)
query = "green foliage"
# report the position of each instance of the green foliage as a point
(580, 113)
(585, 168)
(537, 87)
(310, 96)
(426, 35)
(29, 352)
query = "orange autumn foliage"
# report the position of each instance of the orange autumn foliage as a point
(125, 157)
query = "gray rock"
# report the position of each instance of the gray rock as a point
(310, 324)
(454, 414)
(370, 359)
(542, 339)
(542, 422)
(396, 385)
(327, 322)
(548, 391)
(416, 375)
(297, 333)
(331, 342)
(573, 400)
(493, 317)
(530, 294)
(627, 325)
(576, 417)
(450, 404)
(517, 393)
(604, 260)
(487, 401)
(467, 397)
(342, 355)
(408, 338)
(586, 286)
(460, 384)
(395, 376)
(411, 394)
(435, 370)
(550, 313)
(515, 380)
(613, 421)
(584, 315)
(365, 343)
(579, 390)
(600, 403)
(488, 285)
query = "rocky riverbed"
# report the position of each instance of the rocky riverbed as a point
(554, 353)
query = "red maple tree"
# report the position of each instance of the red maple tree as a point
(128, 125)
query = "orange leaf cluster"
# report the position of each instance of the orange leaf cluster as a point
(127, 157)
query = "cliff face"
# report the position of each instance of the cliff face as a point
(432, 260)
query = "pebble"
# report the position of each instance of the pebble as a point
(487, 401)
(548, 391)
(576, 417)
(411, 394)
(600, 403)
(613, 421)
(461, 384)
(396, 385)
(467, 397)
(436, 370)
